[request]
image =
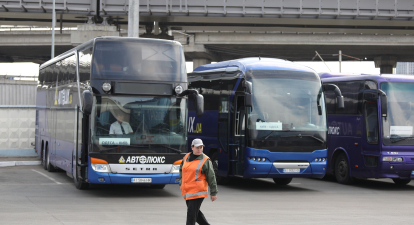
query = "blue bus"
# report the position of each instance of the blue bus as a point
(263, 118)
(372, 137)
(114, 111)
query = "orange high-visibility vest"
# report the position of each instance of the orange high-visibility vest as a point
(193, 182)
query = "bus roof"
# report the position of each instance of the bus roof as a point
(253, 63)
(109, 38)
(333, 77)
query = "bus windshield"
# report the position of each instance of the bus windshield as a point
(138, 60)
(286, 101)
(398, 125)
(139, 125)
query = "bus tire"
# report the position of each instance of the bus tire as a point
(49, 166)
(342, 170)
(157, 186)
(81, 185)
(282, 181)
(44, 156)
(401, 182)
(220, 180)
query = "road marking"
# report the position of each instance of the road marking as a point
(46, 176)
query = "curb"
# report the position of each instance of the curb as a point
(20, 163)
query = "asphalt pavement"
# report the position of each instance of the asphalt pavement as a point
(31, 195)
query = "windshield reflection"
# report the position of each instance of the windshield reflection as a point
(398, 126)
(139, 124)
(285, 101)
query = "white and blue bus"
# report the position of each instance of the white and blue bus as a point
(114, 111)
(263, 118)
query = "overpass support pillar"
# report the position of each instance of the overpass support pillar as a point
(198, 53)
(200, 62)
(386, 63)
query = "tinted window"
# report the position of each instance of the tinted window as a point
(85, 60)
(352, 92)
(138, 60)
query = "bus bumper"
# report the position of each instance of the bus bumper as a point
(400, 170)
(115, 178)
(267, 168)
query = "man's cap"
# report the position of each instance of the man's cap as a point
(197, 142)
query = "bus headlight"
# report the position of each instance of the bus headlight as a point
(392, 159)
(106, 87)
(178, 90)
(103, 168)
(175, 169)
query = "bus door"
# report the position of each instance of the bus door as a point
(223, 136)
(370, 140)
(238, 136)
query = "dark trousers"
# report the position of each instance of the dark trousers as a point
(193, 212)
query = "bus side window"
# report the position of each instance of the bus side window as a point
(371, 121)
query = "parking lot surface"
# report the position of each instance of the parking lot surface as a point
(31, 195)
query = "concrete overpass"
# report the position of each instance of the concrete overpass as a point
(213, 30)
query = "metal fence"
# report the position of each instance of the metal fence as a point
(17, 115)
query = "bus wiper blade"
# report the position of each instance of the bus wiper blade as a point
(119, 146)
(399, 138)
(299, 135)
(267, 136)
(174, 149)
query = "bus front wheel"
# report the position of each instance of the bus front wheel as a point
(342, 173)
(401, 182)
(282, 181)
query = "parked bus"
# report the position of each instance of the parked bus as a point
(114, 111)
(372, 137)
(263, 118)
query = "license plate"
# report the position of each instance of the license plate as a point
(141, 180)
(291, 170)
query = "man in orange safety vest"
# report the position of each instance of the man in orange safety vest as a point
(196, 172)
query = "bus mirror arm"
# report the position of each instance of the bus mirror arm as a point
(247, 86)
(87, 102)
(199, 100)
(384, 103)
(339, 98)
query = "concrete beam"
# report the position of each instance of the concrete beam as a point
(200, 62)
(303, 39)
(87, 32)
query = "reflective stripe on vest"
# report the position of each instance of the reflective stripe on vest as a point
(193, 182)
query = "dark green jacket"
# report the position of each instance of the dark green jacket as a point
(208, 170)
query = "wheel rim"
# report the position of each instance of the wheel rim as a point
(342, 168)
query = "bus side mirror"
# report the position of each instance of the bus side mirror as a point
(199, 104)
(247, 85)
(384, 103)
(371, 95)
(199, 100)
(248, 101)
(339, 98)
(87, 101)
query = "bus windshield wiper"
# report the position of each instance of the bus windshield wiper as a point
(299, 135)
(174, 149)
(399, 138)
(267, 136)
